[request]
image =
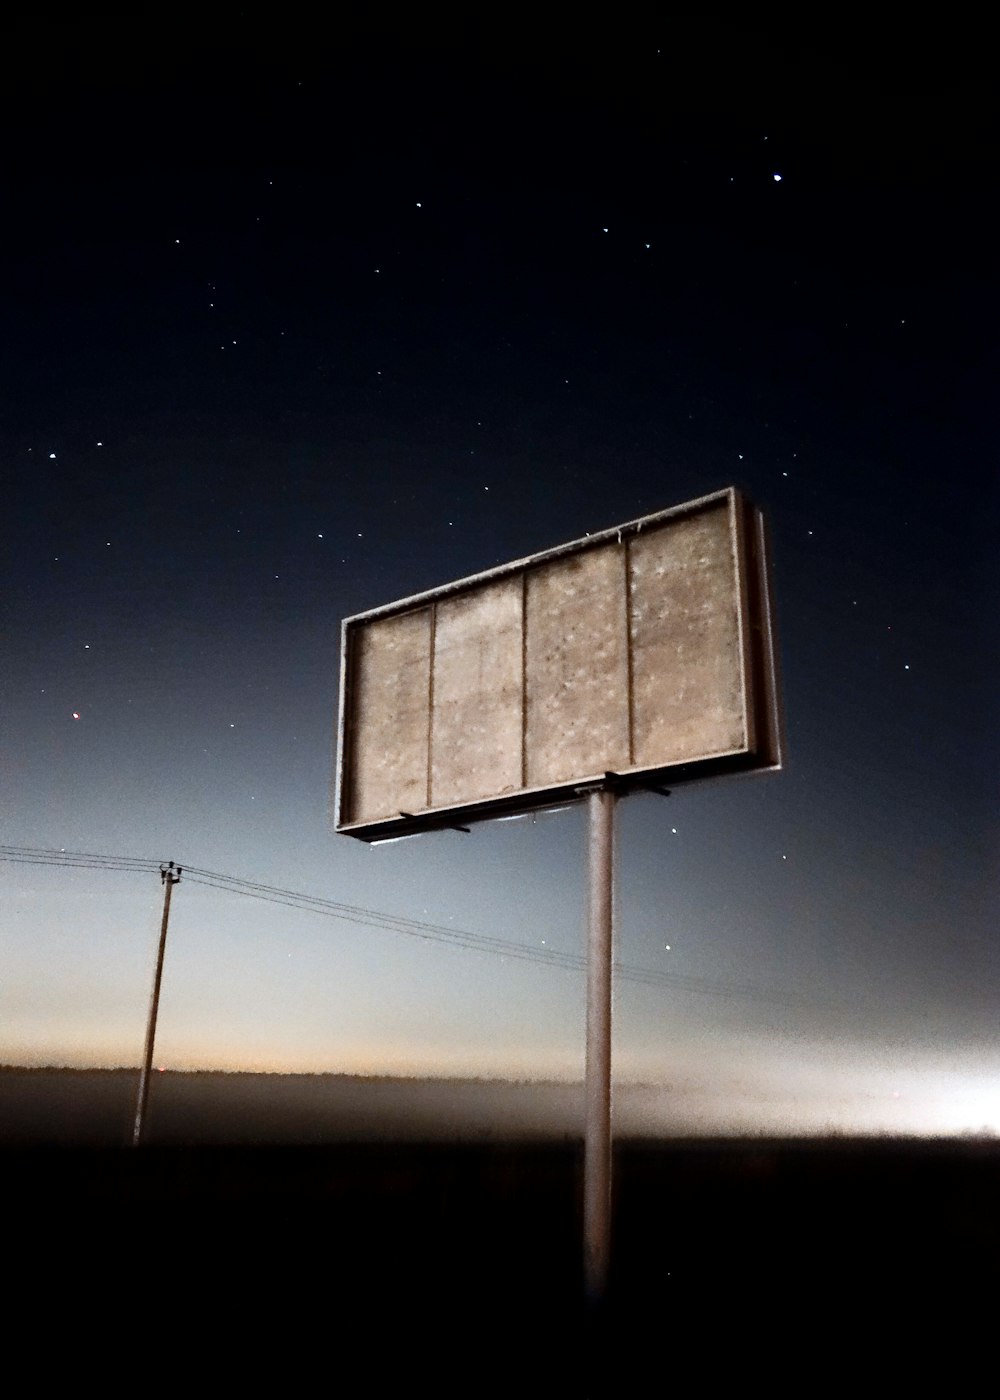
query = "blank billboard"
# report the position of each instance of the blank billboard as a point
(645, 652)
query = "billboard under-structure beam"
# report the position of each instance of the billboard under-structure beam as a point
(645, 651)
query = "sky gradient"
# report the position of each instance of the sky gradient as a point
(289, 337)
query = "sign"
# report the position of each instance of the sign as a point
(644, 652)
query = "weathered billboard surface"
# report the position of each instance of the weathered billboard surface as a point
(645, 652)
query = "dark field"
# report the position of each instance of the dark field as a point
(455, 1264)
(97, 1108)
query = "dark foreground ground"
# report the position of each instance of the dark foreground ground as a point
(362, 1268)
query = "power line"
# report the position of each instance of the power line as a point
(434, 933)
(465, 938)
(79, 864)
(395, 923)
(32, 855)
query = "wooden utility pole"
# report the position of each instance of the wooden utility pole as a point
(169, 877)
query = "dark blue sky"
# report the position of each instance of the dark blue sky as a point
(290, 333)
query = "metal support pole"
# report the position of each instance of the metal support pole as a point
(597, 1133)
(169, 879)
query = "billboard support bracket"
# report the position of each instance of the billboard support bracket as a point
(466, 830)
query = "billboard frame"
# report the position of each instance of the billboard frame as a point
(764, 750)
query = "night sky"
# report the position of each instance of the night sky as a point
(292, 329)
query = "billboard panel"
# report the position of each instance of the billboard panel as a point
(475, 703)
(576, 667)
(644, 652)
